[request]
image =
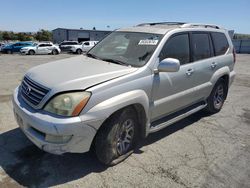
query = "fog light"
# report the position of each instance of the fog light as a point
(57, 139)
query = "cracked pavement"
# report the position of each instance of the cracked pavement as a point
(199, 151)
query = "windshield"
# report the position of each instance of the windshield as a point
(126, 48)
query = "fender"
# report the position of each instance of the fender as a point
(219, 73)
(105, 109)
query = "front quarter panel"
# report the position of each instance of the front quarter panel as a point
(106, 108)
(116, 94)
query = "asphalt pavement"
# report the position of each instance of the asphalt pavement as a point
(199, 151)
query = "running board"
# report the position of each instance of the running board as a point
(172, 118)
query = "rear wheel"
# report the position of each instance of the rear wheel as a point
(117, 137)
(217, 97)
(31, 52)
(9, 52)
(78, 51)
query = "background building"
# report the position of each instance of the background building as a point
(61, 34)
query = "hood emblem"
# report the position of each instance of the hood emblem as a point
(28, 90)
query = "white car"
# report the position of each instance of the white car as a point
(1, 46)
(83, 47)
(41, 48)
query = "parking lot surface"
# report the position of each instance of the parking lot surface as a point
(199, 151)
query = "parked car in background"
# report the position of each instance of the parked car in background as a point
(82, 47)
(15, 47)
(41, 48)
(1, 46)
(65, 46)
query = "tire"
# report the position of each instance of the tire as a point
(116, 138)
(31, 52)
(9, 52)
(217, 97)
(54, 52)
(79, 51)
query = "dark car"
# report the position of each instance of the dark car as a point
(9, 49)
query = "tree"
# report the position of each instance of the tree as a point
(43, 35)
(6, 35)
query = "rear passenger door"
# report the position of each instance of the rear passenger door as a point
(175, 90)
(204, 63)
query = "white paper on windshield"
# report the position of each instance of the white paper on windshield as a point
(148, 42)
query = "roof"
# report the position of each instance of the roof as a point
(163, 27)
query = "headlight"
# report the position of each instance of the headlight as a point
(68, 104)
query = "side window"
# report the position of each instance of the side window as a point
(201, 46)
(177, 47)
(220, 43)
(86, 43)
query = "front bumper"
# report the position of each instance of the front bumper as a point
(24, 51)
(36, 125)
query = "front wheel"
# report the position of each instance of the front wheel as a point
(217, 97)
(31, 52)
(54, 52)
(117, 137)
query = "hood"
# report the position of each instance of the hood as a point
(76, 73)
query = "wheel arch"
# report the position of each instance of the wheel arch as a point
(222, 73)
(139, 102)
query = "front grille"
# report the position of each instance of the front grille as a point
(32, 92)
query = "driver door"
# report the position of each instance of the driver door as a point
(174, 90)
(41, 49)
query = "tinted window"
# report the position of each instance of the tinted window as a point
(68, 43)
(220, 43)
(47, 45)
(86, 43)
(177, 47)
(201, 46)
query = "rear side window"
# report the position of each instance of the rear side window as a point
(220, 43)
(201, 46)
(177, 47)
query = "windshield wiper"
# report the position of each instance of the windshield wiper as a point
(115, 61)
(93, 56)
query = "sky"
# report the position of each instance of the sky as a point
(33, 15)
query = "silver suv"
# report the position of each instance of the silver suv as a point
(134, 82)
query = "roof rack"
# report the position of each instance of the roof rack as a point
(182, 24)
(161, 23)
(200, 25)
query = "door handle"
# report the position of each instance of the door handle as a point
(189, 72)
(213, 65)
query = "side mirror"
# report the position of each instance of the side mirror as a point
(169, 65)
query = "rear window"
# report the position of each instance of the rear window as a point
(220, 43)
(201, 46)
